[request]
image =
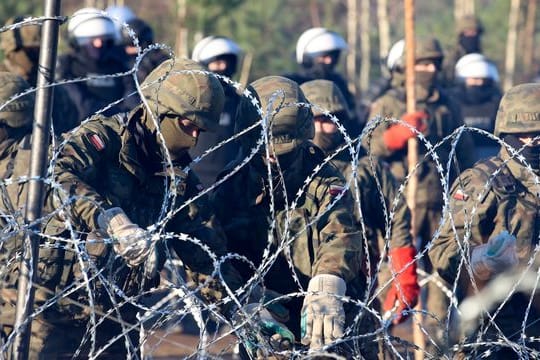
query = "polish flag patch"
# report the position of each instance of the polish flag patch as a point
(460, 195)
(96, 141)
(335, 190)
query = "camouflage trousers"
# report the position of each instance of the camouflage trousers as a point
(54, 335)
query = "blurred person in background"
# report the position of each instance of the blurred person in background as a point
(477, 92)
(20, 46)
(220, 55)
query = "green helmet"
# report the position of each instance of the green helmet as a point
(326, 95)
(22, 37)
(172, 89)
(291, 125)
(17, 113)
(469, 22)
(519, 110)
(428, 48)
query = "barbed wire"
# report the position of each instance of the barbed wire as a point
(80, 298)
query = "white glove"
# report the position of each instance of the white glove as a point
(323, 317)
(130, 241)
(498, 255)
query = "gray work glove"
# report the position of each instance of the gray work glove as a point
(129, 240)
(494, 257)
(323, 317)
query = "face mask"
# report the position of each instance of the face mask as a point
(425, 83)
(328, 142)
(176, 140)
(471, 44)
(530, 153)
(477, 94)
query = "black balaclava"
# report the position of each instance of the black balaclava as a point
(232, 64)
(471, 44)
(530, 153)
(477, 94)
(321, 70)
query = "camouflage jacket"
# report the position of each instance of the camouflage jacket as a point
(378, 191)
(444, 118)
(14, 160)
(482, 207)
(114, 161)
(504, 205)
(315, 240)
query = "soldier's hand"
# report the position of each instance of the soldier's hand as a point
(270, 336)
(397, 135)
(497, 255)
(130, 241)
(323, 316)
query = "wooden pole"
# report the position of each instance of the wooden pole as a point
(412, 153)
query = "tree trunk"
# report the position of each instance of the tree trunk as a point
(463, 7)
(352, 39)
(384, 31)
(510, 61)
(366, 46)
(314, 13)
(528, 46)
(181, 45)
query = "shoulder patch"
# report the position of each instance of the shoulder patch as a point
(335, 190)
(460, 195)
(96, 141)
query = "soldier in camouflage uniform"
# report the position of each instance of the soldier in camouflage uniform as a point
(315, 247)
(375, 184)
(21, 56)
(16, 119)
(437, 116)
(495, 224)
(113, 175)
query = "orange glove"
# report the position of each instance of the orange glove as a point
(404, 291)
(396, 136)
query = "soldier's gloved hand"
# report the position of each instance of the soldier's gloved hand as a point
(323, 316)
(130, 241)
(272, 336)
(405, 289)
(497, 255)
(396, 136)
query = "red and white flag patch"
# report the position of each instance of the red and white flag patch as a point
(335, 190)
(96, 141)
(460, 195)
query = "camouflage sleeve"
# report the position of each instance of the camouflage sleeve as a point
(470, 220)
(340, 249)
(396, 208)
(78, 171)
(374, 142)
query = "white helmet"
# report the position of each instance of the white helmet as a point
(318, 40)
(212, 46)
(476, 66)
(120, 14)
(394, 60)
(90, 22)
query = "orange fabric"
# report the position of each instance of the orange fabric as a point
(396, 136)
(405, 290)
